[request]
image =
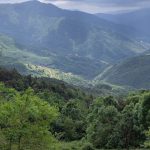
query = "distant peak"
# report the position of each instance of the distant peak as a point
(35, 2)
(38, 1)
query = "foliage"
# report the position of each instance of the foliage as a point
(112, 126)
(25, 122)
(147, 142)
(29, 109)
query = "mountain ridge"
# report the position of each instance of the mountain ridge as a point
(68, 41)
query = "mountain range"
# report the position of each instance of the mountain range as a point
(77, 47)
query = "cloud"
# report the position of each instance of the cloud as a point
(95, 6)
(13, 1)
(101, 6)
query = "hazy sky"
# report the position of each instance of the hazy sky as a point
(95, 6)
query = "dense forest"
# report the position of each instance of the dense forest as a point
(47, 114)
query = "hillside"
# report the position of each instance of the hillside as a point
(70, 41)
(134, 72)
(29, 63)
(46, 114)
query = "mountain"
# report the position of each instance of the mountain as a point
(29, 63)
(137, 20)
(133, 72)
(70, 41)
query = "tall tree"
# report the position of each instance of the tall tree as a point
(25, 122)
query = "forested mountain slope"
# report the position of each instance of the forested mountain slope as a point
(71, 41)
(134, 72)
(29, 63)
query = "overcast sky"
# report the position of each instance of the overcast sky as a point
(95, 6)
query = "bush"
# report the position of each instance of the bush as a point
(87, 146)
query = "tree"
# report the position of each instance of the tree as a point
(25, 122)
(102, 122)
(71, 124)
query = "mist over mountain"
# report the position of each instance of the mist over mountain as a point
(138, 20)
